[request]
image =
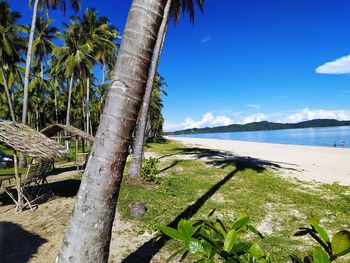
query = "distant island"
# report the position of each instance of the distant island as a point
(264, 126)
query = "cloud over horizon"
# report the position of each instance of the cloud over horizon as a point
(338, 66)
(207, 120)
(210, 120)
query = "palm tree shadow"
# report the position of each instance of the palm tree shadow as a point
(145, 253)
(17, 244)
(220, 158)
(174, 163)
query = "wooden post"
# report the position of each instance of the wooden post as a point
(19, 206)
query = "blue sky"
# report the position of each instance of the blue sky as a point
(250, 60)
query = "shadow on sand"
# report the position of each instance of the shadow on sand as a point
(65, 188)
(16, 244)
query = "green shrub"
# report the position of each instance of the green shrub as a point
(328, 249)
(149, 170)
(211, 240)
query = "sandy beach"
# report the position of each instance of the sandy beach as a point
(308, 163)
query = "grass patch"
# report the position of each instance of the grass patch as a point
(192, 188)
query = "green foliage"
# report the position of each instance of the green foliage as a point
(211, 240)
(149, 170)
(328, 250)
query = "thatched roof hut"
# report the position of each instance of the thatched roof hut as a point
(54, 129)
(24, 139)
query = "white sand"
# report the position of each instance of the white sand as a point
(308, 163)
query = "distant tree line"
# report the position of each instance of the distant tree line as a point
(264, 126)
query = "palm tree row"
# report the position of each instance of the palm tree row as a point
(63, 84)
(63, 78)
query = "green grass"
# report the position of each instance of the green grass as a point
(198, 186)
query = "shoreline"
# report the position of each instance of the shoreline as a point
(307, 163)
(172, 137)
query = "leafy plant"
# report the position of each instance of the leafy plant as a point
(328, 249)
(149, 170)
(211, 240)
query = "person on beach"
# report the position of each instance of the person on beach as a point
(335, 144)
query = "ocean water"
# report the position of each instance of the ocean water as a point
(325, 137)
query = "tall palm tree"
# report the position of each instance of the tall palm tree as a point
(38, 90)
(42, 48)
(11, 46)
(74, 57)
(174, 8)
(45, 5)
(43, 43)
(99, 34)
(89, 231)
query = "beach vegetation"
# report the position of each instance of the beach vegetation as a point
(195, 181)
(149, 170)
(211, 240)
(328, 249)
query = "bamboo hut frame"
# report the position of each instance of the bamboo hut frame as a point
(22, 138)
(71, 132)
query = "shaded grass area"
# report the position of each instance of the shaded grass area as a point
(191, 188)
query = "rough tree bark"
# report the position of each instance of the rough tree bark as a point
(102, 84)
(68, 108)
(28, 62)
(89, 231)
(87, 108)
(136, 159)
(69, 99)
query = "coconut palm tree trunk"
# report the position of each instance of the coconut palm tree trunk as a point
(56, 107)
(102, 84)
(43, 93)
(28, 63)
(136, 160)
(89, 231)
(87, 107)
(37, 118)
(68, 108)
(69, 99)
(9, 100)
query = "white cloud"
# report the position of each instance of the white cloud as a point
(254, 106)
(207, 120)
(205, 39)
(338, 66)
(254, 118)
(307, 114)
